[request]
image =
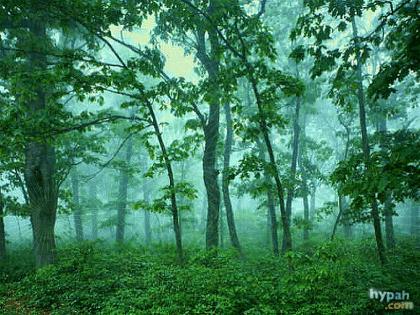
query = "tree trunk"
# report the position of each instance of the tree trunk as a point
(287, 235)
(388, 206)
(365, 144)
(210, 61)
(77, 215)
(414, 219)
(347, 225)
(40, 163)
(94, 211)
(122, 194)
(389, 224)
(313, 202)
(305, 215)
(305, 191)
(270, 204)
(225, 180)
(170, 173)
(293, 166)
(340, 213)
(146, 197)
(147, 227)
(2, 230)
(210, 173)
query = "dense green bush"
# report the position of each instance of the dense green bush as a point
(91, 278)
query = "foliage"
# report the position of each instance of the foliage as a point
(95, 279)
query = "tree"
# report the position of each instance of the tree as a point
(76, 201)
(226, 178)
(2, 230)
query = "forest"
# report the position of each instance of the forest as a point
(209, 157)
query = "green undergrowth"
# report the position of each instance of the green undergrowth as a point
(93, 278)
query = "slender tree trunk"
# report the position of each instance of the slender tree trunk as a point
(146, 197)
(221, 229)
(147, 227)
(340, 213)
(388, 207)
(225, 179)
(305, 191)
(122, 194)
(94, 210)
(40, 163)
(270, 204)
(313, 202)
(389, 224)
(293, 166)
(365, 144)
(169, 171)
(414, 219)
(2, 230)
(347, 226)
(77, 215)
(287, 235)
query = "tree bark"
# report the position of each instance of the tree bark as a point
(210, 173)
(210, 62)
(77, 215)
(40, 162)
(122, 194)
(365, 144)
(225, 180)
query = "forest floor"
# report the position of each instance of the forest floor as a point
(94, 278)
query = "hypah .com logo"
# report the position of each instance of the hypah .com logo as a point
(398, 300)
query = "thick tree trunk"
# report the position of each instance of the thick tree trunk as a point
(122, 195)
(365, 144)
(225, 180)
(270, 204)
(40, 162)
(210, 173)
(94, 210)
(2, 230)
(210, 61)
(77, 215)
